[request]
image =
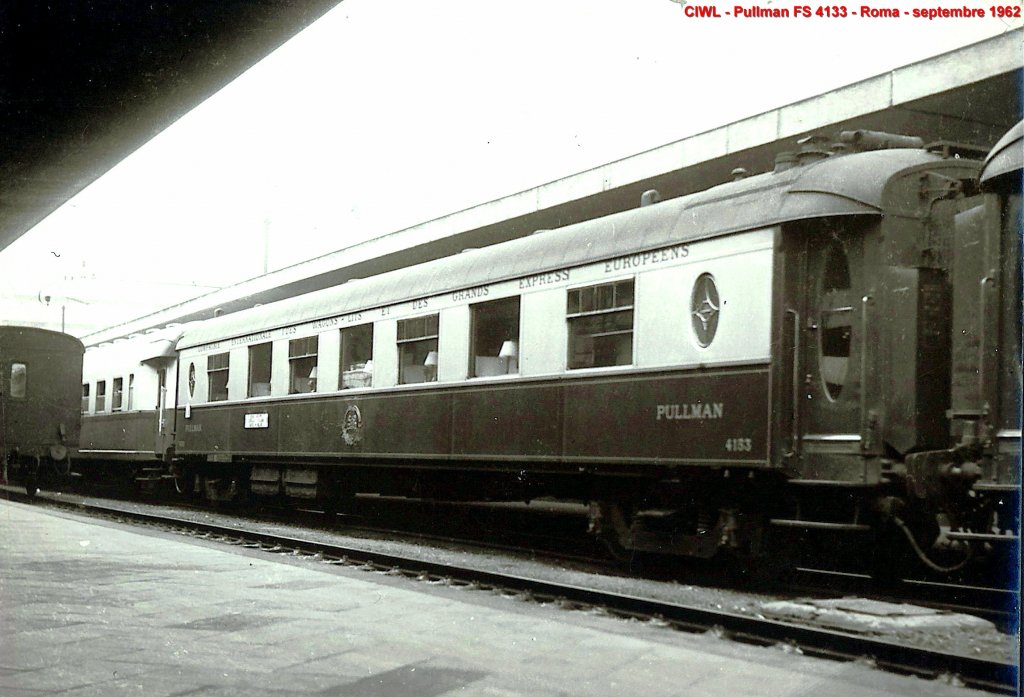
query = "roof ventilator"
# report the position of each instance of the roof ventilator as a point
(861, 141)
(649, 198)
(785, 160)
(812, 149)
(950, 149)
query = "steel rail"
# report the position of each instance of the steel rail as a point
(999, 606)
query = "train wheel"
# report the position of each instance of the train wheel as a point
(331, 507)
(62, 473)
(184, 482)
(609, 522)
(615, 548)
(751, 552)
(887, 553)
(32, 479)
(182, 486)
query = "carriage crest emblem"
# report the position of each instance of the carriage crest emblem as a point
(352, 426)
(704, 309)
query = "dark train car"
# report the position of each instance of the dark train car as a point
(40, 422)
(771, 353)
(128, 408)
(985, 408)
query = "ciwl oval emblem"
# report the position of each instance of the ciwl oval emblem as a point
(704, 309)
(352, 427)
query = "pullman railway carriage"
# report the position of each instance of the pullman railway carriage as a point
(775, 353)
(128, 407)
(40, 371)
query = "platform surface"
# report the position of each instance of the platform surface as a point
(95, 608)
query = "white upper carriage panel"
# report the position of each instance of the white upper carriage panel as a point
(124, 375)
(439, 339)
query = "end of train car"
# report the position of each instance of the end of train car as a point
(975, 484)
(128, 408)
(40, 422)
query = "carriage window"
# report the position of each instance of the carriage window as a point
(161, 389)
(259, 370)
(835, 322)
(85, 398)
(19, 380)
(417, 350)
(600, 325)
(302, 368)
(131, 391)
(101, 395)
(217, 377)
(356, 357)
(116, 394)
(495, 338)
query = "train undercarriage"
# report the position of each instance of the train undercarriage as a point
(32, 470)
(758, 518)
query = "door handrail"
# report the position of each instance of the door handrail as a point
(795, 418)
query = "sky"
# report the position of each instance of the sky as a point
(388, 113)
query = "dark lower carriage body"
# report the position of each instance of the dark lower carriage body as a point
(132, 448)
(679, 451)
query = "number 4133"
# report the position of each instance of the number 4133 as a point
(738, 445)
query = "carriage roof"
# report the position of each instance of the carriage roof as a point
(153, 345)
(1006, 157)
(837, 186)
(12, 336)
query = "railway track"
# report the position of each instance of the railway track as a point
(990, 675)
(999, 606)
(514, 530)
(556, 536)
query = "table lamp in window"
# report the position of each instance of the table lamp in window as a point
(430, 365)
(508, 353)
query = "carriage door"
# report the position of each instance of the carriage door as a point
(827, 384)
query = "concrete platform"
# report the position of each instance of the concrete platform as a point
(94, 608)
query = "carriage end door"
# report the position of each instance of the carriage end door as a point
(825, 315)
